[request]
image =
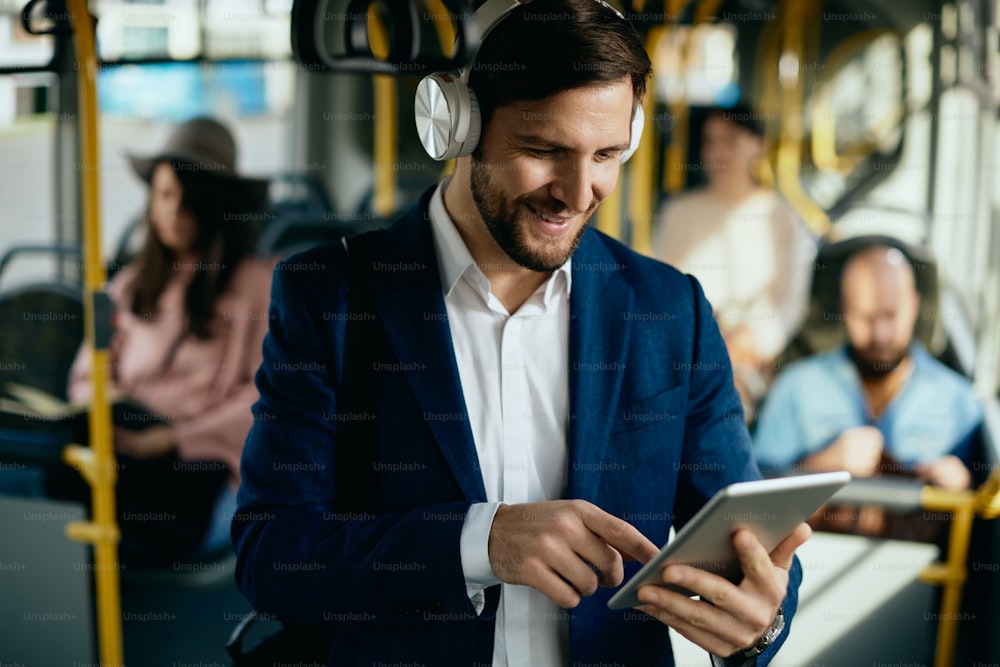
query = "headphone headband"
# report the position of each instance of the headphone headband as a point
(489, 15)
(447, 111)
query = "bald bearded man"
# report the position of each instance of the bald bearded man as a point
(881, 395)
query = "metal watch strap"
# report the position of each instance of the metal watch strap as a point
(768, 637)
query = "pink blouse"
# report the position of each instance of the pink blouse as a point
(207, 388)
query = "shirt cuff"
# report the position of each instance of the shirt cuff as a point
(475, 543)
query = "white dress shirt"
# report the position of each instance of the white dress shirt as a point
(514, 370)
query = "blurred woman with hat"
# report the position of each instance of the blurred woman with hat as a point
(191, 315)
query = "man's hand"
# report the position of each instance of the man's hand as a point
(146, 444)
(555, 547)
(856, 450)
(728, 618)
(947, 472)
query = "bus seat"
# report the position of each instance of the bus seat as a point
(410, 184)
(294, 232)
(823, 328)
(41, 329)
(41, 324)
(297, 191)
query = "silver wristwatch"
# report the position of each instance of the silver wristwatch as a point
(772, 633)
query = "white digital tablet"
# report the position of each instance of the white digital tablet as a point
(769, 508)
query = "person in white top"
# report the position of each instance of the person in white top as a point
(748, 248)
(480, 419)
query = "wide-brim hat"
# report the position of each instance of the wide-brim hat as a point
(201, 145)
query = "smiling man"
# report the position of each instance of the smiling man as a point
(477, 424)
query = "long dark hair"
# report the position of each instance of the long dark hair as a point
(224, 212)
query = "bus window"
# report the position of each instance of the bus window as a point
(20, 49)
(27, 139)
(27, 142)
(182, 30)
(857, 112)
(697, 64)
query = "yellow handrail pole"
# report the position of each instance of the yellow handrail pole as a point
(97, 464)
(824, 145)
(767, 96)
(950, 574)
(824, 133)
(706, 10)
(642, 166)
(988, 497)
(386, 121)
(674, 174)
(795, 13)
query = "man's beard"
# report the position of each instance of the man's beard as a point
(873, 369)
(501, 218)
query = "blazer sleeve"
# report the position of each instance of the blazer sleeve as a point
(300, 555)
(717, 448)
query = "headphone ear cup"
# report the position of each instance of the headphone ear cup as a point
(442, 113)
(475, 126)
(638, 123)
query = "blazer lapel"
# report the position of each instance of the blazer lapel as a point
(598, 341)
(408, 297)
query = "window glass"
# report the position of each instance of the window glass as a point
(185, 29)
(697, 65)
(17, 47)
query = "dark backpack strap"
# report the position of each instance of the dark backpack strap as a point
(357, 394)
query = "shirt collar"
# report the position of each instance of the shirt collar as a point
(455, 260)
(454, 257)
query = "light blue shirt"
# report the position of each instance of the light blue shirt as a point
(814, 400)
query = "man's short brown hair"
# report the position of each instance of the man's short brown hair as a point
(545, 47)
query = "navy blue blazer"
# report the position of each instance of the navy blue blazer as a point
(353, 499)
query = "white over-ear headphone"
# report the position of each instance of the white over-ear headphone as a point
(446, 109)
